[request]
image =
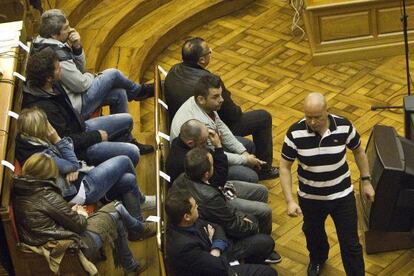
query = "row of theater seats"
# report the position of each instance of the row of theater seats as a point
(24, 263)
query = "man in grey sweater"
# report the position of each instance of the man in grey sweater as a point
(86, 91)
(203, 106)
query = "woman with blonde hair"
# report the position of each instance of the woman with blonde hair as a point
(79, 183)
(42, 215)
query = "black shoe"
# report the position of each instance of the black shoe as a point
(270, 173)
(273, 258)
(314, 269)
(143, 149)
(147, 91)
(143, 92)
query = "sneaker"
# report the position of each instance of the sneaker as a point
(314, 269)
(150, 229)
(143, 149)
(273, 258)
(270, 173)
(150, 203)
(143, 265)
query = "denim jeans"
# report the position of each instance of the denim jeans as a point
(242, 172)
(252, 199)
(119, 128)
(257, 123)
(128, 261)
(344, 214)
(131, 223)
(103, 91)
(111, 178)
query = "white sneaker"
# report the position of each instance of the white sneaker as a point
(149, 203)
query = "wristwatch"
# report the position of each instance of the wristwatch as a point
(363, 178)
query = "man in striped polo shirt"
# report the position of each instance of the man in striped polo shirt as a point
(319, 143)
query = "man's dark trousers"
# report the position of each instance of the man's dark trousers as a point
(257, 123)
(254, 269)
(344, 214)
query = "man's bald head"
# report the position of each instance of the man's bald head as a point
(315, 100)
(194, 133)
(316, 112)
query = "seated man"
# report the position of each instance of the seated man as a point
(238, 220)
(86, 91)
(250, 197)
(203, 106)
(95, 140)
(198, 247)
(193, 134)
(180, 83)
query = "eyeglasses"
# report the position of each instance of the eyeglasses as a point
(207, 53)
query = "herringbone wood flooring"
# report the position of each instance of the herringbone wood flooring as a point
(264, 66)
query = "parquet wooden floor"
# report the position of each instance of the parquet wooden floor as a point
(264, 66)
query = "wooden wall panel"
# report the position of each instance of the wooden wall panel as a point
(343, 26)
(389, 20)
(340, 31)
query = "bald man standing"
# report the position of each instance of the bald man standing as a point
(319, 142)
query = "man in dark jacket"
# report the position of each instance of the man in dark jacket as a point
(248, 197)
(179, 86)
(198, 247)
(217, 206)
(193, 134)
(95, 140)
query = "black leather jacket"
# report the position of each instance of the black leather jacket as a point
(212, 206)
(42, 214)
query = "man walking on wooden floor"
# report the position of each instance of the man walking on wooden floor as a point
(319, 143)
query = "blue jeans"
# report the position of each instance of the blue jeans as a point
(112, 178)
(128, 261)
(131, 223)
(104, 91)
(119, 128)
(242, 172)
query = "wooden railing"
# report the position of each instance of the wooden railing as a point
(11, 61)
(162, 147)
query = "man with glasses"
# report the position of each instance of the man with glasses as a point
(179, 86)
(319, 142)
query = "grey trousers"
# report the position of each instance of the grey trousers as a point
(252, 199)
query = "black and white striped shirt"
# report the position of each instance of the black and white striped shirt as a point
(323, 172)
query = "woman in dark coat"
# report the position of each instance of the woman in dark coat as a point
(42, 215)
